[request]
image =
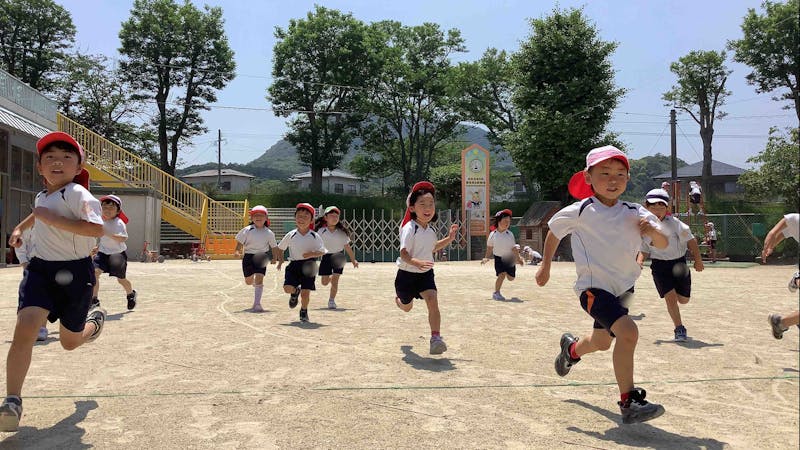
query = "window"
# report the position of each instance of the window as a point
(225, 186)
(3, 150)
(351, 189)
(528, 233)
(16, 166)
(28, 167)
(338, 188)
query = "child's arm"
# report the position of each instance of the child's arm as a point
(550, 247)
(238, 250)
(647, 229)
(695, 250)
(15, 240)
(77, 226)
(446, 241)
(314, 254)
(352, 255)
(119, 237)
(406, 258)
(277, 254)
(774, 237)
(489, 253)
(641, 257)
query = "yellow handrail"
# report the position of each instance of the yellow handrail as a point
(192, 205)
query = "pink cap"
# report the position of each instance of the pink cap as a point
(601, 154)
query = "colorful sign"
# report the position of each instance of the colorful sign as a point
(475, 163)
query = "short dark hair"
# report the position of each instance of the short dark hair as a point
(63, 146)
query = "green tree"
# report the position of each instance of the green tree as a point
(770, 46)
(565, 95)
(700, 91)
(778, 173)
(317, 62)
(34, 35)
(94, 94)
(447, 179)
(178, 56)
(642, 172)
(411, 115)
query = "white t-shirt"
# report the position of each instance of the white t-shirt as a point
(792, 229)
(419, 242)
(299, 244)
(502, 243)
(113, 227)
(256, 240)
(74, 202)
(26, 251)
(334, 241)
(605, 242)
(695, 190)
(678, 234)
(712, 234)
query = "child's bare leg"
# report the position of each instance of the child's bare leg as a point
(305, 297)
(671, 298)
(249, 280)
(70, 340)
(404, 306)
(125, 285)
(326, 279)
(96, 288)
(793, 318)
(432, 301)
(498, 283)
(627, 335)
(334, 285)
(599, 340)
(289, 289)
(19, 354)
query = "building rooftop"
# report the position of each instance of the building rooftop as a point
(696, 170)
(213, 173)
(325, 174)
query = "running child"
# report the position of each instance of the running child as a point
(112, 257)
(335, 235)
(606, 236)
(24, 254)
(256, 240)
(58, 282)
(305, 246)
(502, 244)
(415, 265)
(670, 272)
(711, 240)
(788, 227)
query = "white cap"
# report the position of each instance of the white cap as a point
(657, 196)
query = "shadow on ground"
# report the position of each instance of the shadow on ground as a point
(422, 363)
(66, 434)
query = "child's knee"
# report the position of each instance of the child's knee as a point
(683, 300)
(289, 289)
(602, 344)
(69, 344)
(625, 330)
(248, 281)
(326, 280)
(509, 278)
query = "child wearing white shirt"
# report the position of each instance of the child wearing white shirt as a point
(304, 246)
(502, 245)
(256, 240)
(112, 257)
(336, 236)
(788, 227)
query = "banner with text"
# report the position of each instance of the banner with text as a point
(475, 188)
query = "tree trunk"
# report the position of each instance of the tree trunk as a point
(707, 134)
(163, 145)
(316, 179)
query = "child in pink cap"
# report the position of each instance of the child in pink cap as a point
(606, 236)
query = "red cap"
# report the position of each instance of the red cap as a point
(578, 187)
(118, 201)
(308, 207)
(420, 185)
(260, 209)
(505, 211)
(59, 136)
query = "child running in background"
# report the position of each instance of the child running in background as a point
(112, 257)
(711, 240)
(502, 244)
(304, 246)
(606, 236)
(58, 282)
(24, 254)
(788, 227)
(256, 240)
(336, 236)
(670, 272)
(415, 265)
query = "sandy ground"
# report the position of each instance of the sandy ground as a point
(192, 367)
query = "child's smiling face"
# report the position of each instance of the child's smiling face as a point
(424, 208)
(58, 165)
(608, 178)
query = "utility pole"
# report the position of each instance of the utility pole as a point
(219, 159)
(673, 143)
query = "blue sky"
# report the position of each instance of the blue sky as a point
(650, 34)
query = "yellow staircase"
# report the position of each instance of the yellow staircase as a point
(212, 222)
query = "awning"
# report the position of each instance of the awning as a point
(22, 124)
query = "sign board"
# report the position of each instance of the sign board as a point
(475, 190)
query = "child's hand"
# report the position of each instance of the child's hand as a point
(645, 227)
(542, 275)
(484, 261)
(280, 263)
(453, 231)
(237, 253)
(355, 264)
(698, 265)
(44, 214)
(94, 251)
(520, 261)
(15, 240)
(307, 255)
(424, 265)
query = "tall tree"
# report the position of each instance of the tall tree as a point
(34, 35)
(700, 91)
(319, 64)
(771, 46)
(411, 115)
(778, 170)
(93, 93)
(565, 95)
(178, 56)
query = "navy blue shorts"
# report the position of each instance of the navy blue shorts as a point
(604, 307)
(301, 273)
(671, 274)
(115, 265)
(501, 266)
(411, 285)
(62, 287)
(253, 263)
(332, 263)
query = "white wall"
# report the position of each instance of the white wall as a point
(143, 208)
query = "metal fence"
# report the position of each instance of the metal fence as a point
(739, 236)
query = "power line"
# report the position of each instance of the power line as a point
(658, 139)
(690, 142)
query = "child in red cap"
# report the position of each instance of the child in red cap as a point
(305, 246)
(606, 236)
(59, 278)
(502, 246)
(418, 243)
(112, 257)
(257, 240)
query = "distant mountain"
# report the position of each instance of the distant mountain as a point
(279, 162)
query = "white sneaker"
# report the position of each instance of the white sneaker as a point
(42, 334)
(498, 296)
(10, 413)
(437, 345)
(97, 316)
(331, 304)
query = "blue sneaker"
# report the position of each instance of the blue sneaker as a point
(680, 334)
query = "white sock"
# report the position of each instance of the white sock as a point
(258, 290)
